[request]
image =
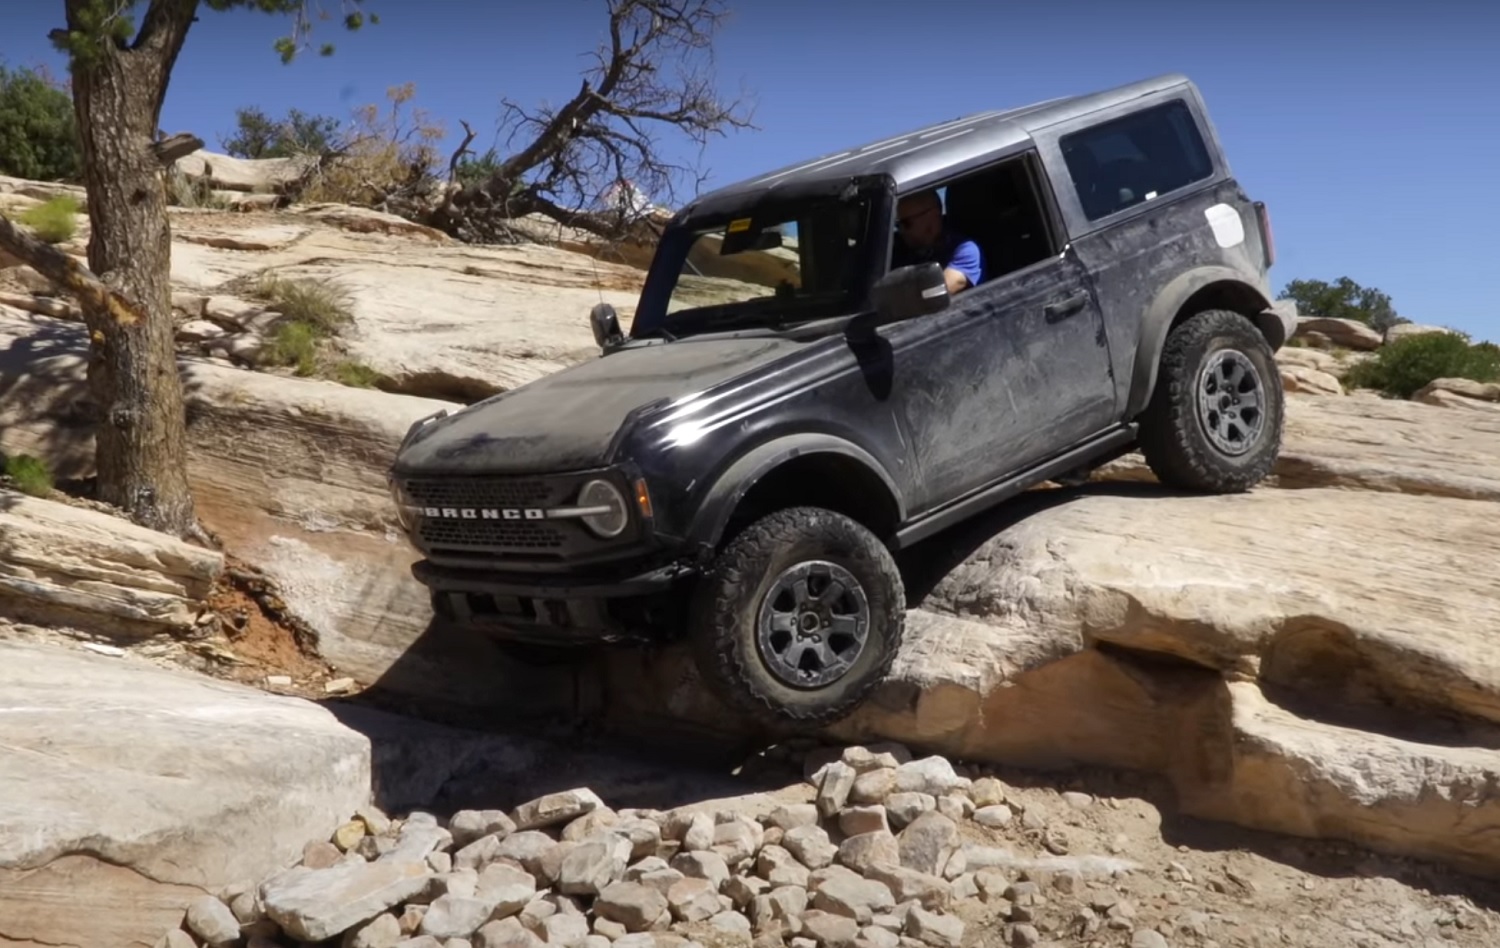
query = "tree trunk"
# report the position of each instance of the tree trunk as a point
(140, 441)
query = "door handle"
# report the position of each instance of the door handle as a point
(1065, 308)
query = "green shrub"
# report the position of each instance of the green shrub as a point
(293, 343)
(38, 131)
(323, 306)
(355, 374)
(29, 475)
(1403, 367)
(54, 221)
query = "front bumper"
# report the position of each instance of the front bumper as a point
(556, 608)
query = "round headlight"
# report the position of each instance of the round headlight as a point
(403, 510)
(613, 516)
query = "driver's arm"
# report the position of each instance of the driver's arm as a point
(965, 269)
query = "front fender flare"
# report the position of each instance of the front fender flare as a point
(1157, 322)
(730, 487)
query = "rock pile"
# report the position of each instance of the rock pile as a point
(882, 855)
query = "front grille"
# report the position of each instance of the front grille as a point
(490, 493)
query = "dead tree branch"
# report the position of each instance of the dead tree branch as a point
(68, 274)
(653, 73)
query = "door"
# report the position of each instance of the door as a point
(1014, 371)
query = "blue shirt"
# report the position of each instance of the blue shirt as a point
(953, 252)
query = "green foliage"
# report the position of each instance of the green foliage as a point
(294, 343)
(477, 170)
(101, 24)
(38, 132)
(53, 221)
(355, 374)
(27, 474)
(259, 136)
(313, 313)
(1403, 367)
(1343, 299)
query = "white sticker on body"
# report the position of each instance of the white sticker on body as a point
(1228, 229)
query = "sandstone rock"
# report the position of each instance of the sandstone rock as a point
(127, 834)
(1380, 444)
(71, 565)
(909, 885)
(873, 786)
(1300, 379)
(593, 864)
(902, 808)
(854, 820)
(829, 930)
(229, 173)
(631, 904)
(931, 775)
(470, 825)
(693, 900)
(382, 931)
(939, 931)
(1407, 330)
(317, 904)
(833, 791)
(811, 846)
(455, 916)
(507, 889)
(928, 842)
(1467, 388)
(793, 816)
(702, 865)
(864, 851)
(555, 808)
(993, 816)
(854, 898)
(1343, 332)
(1443, 398)
(212, 921)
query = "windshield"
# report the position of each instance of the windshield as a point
(769, 267)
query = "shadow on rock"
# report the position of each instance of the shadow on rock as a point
(1328, 859)
(924, 565)
(457, 723)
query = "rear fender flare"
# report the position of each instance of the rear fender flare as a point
(1157, 323)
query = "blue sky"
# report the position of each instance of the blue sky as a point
(1371, 129)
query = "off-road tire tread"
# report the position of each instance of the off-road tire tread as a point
(1174, 447)
(722, 590)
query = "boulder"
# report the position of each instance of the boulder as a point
(304, 499)
(488, 318)
(1406, 330)
(71, 565)
(1443, 391)
(1372, 443)
(127, 791)
(228, 173)
(1346, 333)
(1299, 378)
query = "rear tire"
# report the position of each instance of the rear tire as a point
(799, 618)
(1215, 420)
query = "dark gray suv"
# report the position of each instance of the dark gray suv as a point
(804, 390)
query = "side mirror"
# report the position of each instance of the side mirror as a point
(911, 291)
(606, 325)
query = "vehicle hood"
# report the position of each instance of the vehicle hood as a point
(567, 420)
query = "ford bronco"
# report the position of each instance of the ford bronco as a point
(794, 402)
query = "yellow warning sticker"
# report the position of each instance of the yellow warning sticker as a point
(736, 226)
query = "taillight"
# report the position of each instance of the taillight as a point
(1267, 238)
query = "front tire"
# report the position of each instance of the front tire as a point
(800, 617)
(1215, 420)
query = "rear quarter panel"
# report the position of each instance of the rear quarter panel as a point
(1146, 260)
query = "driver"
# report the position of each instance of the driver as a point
(927, 237)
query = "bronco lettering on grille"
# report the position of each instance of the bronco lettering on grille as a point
(486, 513)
